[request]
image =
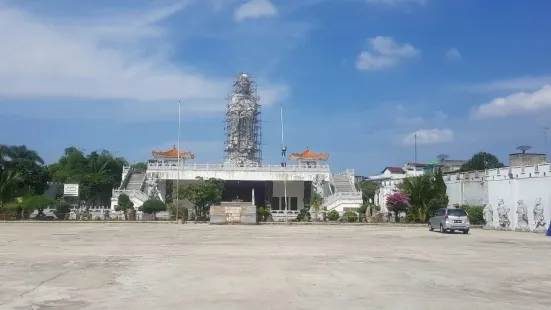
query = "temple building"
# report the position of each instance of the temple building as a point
(284, 188)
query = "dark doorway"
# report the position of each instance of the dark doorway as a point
(243, 190)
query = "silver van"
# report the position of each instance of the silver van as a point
(450, 220)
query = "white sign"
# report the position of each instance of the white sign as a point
(233, 214)
(70, 190)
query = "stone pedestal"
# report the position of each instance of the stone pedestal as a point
(233, 213)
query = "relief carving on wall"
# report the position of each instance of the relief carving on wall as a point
(522, 217)
(489, 216)
(503, 213)
(539, 219)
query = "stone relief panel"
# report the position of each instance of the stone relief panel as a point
(152, 188)
(317, 183)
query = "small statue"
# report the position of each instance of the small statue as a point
(522, 217)
(539, 219)
(503, 213)
(489, 215)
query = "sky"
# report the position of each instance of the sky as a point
(357, 79)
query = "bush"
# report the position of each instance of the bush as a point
(62, 210)
(350, 216)
(152, 206)
(262, 214)
(182, 211)
(476, 213)
(332, 215)
(303, 215)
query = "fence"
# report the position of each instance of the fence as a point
(83, 215)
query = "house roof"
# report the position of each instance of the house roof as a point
(419, 165)
(393, 170)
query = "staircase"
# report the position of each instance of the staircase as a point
(342, 184)
(135, 182)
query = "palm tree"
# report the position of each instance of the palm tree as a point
(422, 191)
(316, 202)
(8, 182)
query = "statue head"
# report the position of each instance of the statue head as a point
(538, 202)
(520, 202)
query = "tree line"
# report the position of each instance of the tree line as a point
(24, 176)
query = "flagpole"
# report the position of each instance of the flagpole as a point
(178, 170)
(284, 168)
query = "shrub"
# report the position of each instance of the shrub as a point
(303, 215)
(332, 215)
(182, 211)
(350, 216)
(476, 213)
(263, 214)
(152, 206)
(62, 210)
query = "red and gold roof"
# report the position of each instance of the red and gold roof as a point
(173, 153)
(308, 155)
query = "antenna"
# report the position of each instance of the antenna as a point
(442, 157)
(523, 148)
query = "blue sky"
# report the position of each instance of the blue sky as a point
(356, 77)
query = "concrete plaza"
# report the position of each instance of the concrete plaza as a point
(197, 266)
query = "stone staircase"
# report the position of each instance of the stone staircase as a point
(342, 184)
(135, 182)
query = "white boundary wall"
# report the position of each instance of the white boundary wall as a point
(518, 191)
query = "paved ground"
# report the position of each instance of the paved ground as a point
(152, 266)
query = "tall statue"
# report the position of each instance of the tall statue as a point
(489, 216)
(539, 219)
(317, 184)
(522, 217)
(503, 213)
(152, 188)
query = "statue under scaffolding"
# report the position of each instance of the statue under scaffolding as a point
(243, 124)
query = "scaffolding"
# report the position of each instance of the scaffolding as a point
(243, 144)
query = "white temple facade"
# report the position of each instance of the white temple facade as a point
(284, 189)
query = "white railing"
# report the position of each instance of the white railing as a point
(132, 193)
(126, 175)
(342, 195)
(282, 214)
(223, 167)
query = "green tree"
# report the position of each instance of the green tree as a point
(481, 161)
(38, 203)
(140, 167)
(124, 204)
(8, 182)
(316, 202)
(426, 195)
(97, 174)
(32, 174)
(202, 195)
(369, 189)
(62, 210)
(153, 206)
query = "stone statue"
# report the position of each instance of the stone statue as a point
(503, 213)
(489, 215)
(522, 217)
(152, 188)
(539, 219)
(317, 184)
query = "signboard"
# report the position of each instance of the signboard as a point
(233, 214)
(70, 190)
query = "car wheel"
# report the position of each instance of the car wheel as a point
(441, 229)
(466, 231)
(430, 227)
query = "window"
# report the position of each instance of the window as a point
(457, 212)
(294, 203)
(275, 203)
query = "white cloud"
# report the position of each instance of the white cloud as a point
(122, 58)
(429, 136)
(384, 53)
(255, 9)
(453, 54)
(515, 104)
(396, 2)
(526, 83)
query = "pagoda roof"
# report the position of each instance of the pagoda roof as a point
(308, 155)
(172, 153)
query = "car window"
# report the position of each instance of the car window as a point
(457, 212)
